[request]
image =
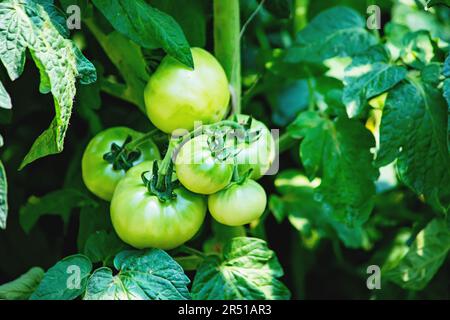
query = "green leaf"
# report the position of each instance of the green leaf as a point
(414, 131)
(5, 99)
(22, 287)
(338, 31)
(129, 60)
(424, 258)
(418, 49)
(3, 196)
(192, 18)
(369, 75)
(147, 26)
(338, 151)
(102, 246)
(26, 24)
(92, 220)
(309, 216)
(248, 270)
(60, 202)
(143, 275)
(66, 280)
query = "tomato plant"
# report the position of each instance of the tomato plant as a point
(313, 160)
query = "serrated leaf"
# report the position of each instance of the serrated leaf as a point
(336, 32)
(144, 275)
(414, 131)
(5, 99)
(424, 258)
(60, 202)
(102, 246)
(338, 151)
(369, 75)
(3, 197)
(248, 270)
(147, 26)
(66, 280)
(27, 24)
(22, 287)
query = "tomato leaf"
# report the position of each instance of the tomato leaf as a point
(414, 131)
(66, 280)
(338, 151)
(147, 26)
(5, 99)
(369, 75)
(144, 275)
(102, 246)
(309, 216)
(417, 49)
(424, 258)
(3, 196)
(60, 202)
(60, 62)
(338, 31)
(22, 287)
(248, 270)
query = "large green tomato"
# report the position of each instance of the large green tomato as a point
(143, 221)
(177, 96)
(199, 170)
(99, 175)
(258, 155)
(238, 204)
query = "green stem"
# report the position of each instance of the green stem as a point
(300, 15)
(189, 250)
(285, 142)
(136, 143)
(165, 163)
(227, 45)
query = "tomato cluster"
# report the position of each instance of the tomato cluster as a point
(163, 204)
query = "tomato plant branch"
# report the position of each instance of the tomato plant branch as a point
(227, 45)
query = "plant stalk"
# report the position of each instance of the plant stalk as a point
(227, 46)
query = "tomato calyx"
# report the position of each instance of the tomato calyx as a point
(122, 157)
(164, 192)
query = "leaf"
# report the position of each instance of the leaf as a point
(417, 49)
(129, 60)
(22, 287)
(336, 32)
(66, 280)
(102, 246)
(3, 196)
(192, 18)
(92, 220)
(26, 24)
(424, 258)
(309, 216)
(414, 131)
(248, 270)
(147, 26)
(5, 99)
(338, 151)
(60, 202)
(369, 75)
(143, 275)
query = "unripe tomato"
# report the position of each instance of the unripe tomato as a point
(258, 155)
(143, 221)
(177, 96)
(238, 204)
(99, 175)
(199, 170)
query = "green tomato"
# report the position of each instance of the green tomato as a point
(177, 96)
(238, 204)
(258, 155)
(99, 175)
(143, 221)
(199, 170)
